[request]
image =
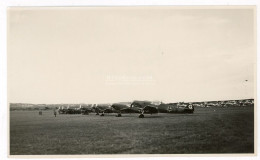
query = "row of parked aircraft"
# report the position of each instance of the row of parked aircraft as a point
(230, 103)
(141, 107)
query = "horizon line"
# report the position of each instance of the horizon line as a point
(135, 100)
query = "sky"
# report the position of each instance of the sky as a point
(117, 54)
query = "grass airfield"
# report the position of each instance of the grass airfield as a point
(207, 130)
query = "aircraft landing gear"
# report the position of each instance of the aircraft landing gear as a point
(102, 114)
(97, 113)
(141, 116)
(119, 115)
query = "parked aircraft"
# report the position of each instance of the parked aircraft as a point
(181, 108)
(123, 108)
(62, 110)
(102, 108)
(144, 107)
(85, 109)
(69, 110)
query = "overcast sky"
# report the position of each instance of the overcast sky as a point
(98, 55)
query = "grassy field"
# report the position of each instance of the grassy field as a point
(208, 130)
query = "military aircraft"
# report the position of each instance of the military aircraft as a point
(144, 107)
(85, 109)
(165, 108)
(180, 107)
(69, 110)
(102, 108)
(123, 108)
(73, 111)
(148, 107)
(62, 110)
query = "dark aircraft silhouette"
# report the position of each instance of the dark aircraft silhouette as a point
(85, 109)
(69, 110)
(123, 108)
(135, 107)
(176, 108)
(102, 108)
(144, 107)
(147, 107)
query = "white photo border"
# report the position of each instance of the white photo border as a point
(4, 4)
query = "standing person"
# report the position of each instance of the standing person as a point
(55, 113)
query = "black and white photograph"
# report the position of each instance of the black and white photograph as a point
(131, 80)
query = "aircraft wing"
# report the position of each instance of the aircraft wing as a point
(124, 108)
(150, 109)
(130, 110)
(105, 109)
